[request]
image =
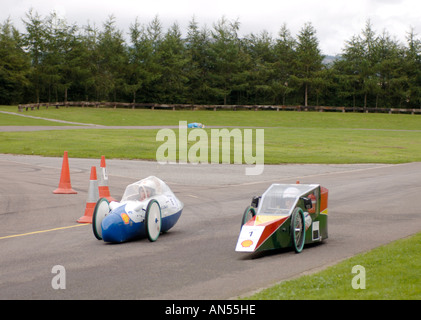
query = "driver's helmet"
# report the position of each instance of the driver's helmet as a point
(290, 192)
(147, 189)
(145, 192)
(289, 196)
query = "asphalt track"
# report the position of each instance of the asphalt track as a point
(369, 205)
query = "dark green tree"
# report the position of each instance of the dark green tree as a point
(308, 60)
(198, 65)
(60, 43)
(112, 62)
(412, 69)
(89, 71)
(366, 62)
(34, 44)
(260, 68)
(136, 71)
(226, 60)
(284, 51)
(14, 65)
(172, 86)
(392, 81)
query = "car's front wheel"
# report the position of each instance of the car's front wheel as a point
(298, 229)
(248, 214)
(102, 209)
(153, 220)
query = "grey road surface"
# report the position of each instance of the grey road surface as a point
(369, 205)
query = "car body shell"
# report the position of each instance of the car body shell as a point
(125, 220)
(270, 225)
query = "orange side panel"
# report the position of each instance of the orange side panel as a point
(323, 198)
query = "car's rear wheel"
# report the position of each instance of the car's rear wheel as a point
(298, 229)
(102, 209)
(153, 220)
(248, 214)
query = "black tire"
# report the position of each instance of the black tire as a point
(153, 220)
(248, 214)
(102, 209)
(298, 229)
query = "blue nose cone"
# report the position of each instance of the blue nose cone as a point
(113, 228)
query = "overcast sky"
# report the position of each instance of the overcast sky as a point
(335, 20)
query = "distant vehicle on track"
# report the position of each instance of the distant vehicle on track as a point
(148, 208)
(286, 215)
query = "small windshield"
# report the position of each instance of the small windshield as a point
(280, 199)
(144, 189)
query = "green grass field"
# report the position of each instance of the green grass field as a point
(13, 120)
(392, 271)
(288, 119)
(290, 137)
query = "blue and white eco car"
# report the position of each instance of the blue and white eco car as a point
(147, 208)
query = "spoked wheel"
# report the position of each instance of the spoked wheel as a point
(153, 220)
(102, 209)
(298, 230)
(248, 214)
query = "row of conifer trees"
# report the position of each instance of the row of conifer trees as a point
(52, 60)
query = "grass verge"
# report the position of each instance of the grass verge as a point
(290, 137)
(282, 145)
(289, 119)
(392, 272)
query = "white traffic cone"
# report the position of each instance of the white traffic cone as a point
(93, 197)
(104, 191)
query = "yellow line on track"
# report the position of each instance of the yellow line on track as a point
(43, 231)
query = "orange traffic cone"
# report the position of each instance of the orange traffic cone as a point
(104, 191)
(65, 186)
(93, 197)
